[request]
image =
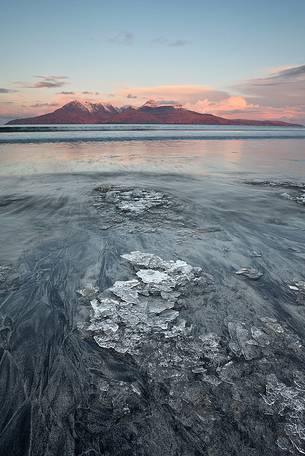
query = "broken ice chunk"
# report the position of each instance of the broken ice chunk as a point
(166, 316)
(104, 307)
(250, 273)
(170, 295)
(301, 199)
(147, 260)
(198, 370)
(211, 379)
(87, 292)
(271, 323)
(255, 254)
(286, 195)
(299, 287)
(241, 343)
(136, 207)
(182, 267)
(104, 326)
(293, 287)
(210, 345)
(260, 337)
(126, 290)
(159, 306)
(152, 276)
(146, 305)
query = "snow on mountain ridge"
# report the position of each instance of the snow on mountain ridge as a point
(93, 107)
(90, 107)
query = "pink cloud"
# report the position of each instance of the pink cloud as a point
(223, 106)
(183, 93)
(278, 96)
(269, 102)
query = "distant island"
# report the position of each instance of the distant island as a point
(77, 112)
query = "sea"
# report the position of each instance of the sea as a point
(183, 149)
(220, 212)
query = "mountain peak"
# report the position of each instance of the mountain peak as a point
(87, 112)
(153, 104)
(90, 107)
(74, 104)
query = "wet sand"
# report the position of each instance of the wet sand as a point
(216, 388)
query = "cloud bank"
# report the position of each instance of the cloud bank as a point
(277, 95)
(45, 82)
(124, 38)
(171, 43)
(4, 90)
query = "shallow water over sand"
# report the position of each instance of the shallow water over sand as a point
(283, 158)
(65, 394)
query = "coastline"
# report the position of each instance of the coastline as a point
(157, 384)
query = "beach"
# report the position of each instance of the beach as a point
(152, 292)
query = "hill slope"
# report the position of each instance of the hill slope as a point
(77, 112)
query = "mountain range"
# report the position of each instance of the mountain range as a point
(77, 112)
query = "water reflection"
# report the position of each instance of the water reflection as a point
(196, 157)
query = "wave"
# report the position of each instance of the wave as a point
(84, 133)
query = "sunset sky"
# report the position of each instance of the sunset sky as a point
(237, 58)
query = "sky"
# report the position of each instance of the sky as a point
(237, 58)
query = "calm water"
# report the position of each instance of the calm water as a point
(190, 150)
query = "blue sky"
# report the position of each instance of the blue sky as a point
(111, 47)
